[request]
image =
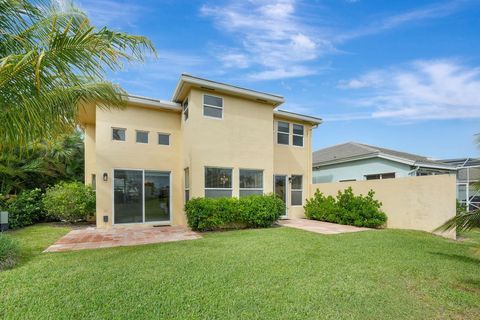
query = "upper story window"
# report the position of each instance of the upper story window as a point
(164, 139)
(389, 175)
(142, 136)
(283, 132)
(118, 134)
(218, 182)
(185, 109)
(212, 106)
(251, 182)
(297, 138)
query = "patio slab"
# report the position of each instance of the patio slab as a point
(93, 238)
(320, 226)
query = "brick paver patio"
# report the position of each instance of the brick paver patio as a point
(320, 226)
(93, 238)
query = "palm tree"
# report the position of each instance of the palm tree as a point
(53, 60)
(463, 221)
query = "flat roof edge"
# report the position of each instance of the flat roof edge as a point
(293, 115)
(186, 78)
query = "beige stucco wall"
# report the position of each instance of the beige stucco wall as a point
(90, 152)
(417, 203)
(292, 160)
(131, 155)
(241, 140)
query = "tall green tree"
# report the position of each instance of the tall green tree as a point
(53, 60)
(42, 164)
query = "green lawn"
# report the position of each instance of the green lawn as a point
(277, 273)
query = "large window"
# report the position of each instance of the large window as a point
(187, 184)
(283, 132)
(297, 190)
(212, 106)
(142, 136)
(389, 175)
(185, 109)
(251, 182)
(118, 134)
(297, 135)
(218, 182)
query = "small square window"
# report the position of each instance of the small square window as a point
(142, 136)
(118, 134)
(164, 139)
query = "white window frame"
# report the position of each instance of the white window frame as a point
(205, 181)
(185, 110)
(281, 132)
(164, 134)
(250, 189)
(119, 128)
(298, 135)
(144, 131)
(292, 190)
(212, 106)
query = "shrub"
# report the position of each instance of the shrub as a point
(232, 213)
(25, 209)
(69, 201)
(346, 208)
(9, 252)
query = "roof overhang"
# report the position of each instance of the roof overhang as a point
(187, 82)
(298, 117)
(154, 103)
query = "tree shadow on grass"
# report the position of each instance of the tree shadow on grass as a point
(458, 257)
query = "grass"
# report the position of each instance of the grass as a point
(277, 273)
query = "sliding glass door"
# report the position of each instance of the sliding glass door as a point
(157, 196)
(141, 196)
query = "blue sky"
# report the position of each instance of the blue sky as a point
(398, 74)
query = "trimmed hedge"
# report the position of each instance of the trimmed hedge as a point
(346, 208)
(9, 252)
(69, 201)
(254, 211)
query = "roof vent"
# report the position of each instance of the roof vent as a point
(207, 88)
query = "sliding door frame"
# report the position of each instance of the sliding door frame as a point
(168, 222)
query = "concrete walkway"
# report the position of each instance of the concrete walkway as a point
(93, 238)
(320, 226)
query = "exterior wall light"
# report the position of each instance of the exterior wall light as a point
(105, 176)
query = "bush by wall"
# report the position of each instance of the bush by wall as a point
(232, 213)
(346, 208)
(24, 209)
(9, 252)
(69, 201)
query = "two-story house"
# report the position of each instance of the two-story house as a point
(211, 140)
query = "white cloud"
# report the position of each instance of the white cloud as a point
(269, 35)
(112, 13)
(433, 89)
(433, 11)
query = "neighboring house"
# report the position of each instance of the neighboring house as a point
(355, 161)
(468, 176)
(211, 140)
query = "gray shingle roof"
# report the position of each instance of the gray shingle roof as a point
(353, 150)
